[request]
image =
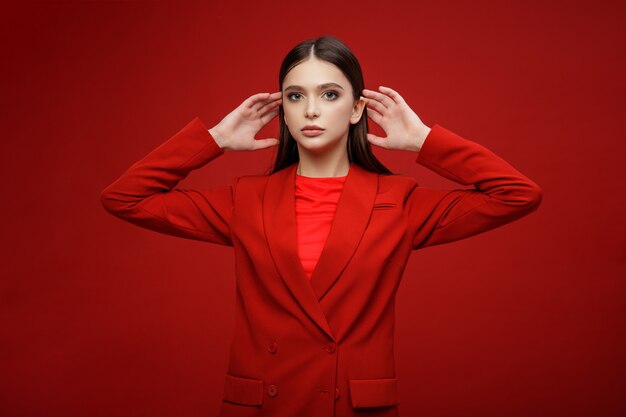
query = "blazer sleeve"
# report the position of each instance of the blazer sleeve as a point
(501, 194)
(146, 194)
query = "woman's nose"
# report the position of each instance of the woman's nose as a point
(311, 109)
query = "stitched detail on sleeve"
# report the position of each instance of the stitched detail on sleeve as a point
(461, 215)
(193, 156)
(181, 227)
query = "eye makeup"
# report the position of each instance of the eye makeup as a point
(335, 96)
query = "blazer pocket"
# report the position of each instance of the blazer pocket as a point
(245, 391)
(373, 392)
(384, 205)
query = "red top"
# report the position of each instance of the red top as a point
(316, 201)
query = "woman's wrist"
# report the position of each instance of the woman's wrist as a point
(423, 135)
(219, 139)
(420, 137)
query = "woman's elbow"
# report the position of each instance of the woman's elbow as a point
(110, 201)
(533, 196)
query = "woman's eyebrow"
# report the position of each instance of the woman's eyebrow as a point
(320, 87)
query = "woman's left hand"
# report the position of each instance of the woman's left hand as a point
(404, 129)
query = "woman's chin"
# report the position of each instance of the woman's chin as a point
(314, 145)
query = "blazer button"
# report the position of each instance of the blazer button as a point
(330, 347)
(272, 347)
(272, 390)
(336, 393)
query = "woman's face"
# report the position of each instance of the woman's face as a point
(316, 92)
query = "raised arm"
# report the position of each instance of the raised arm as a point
(146, 194)
(501, 194)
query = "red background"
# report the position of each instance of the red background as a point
(101, 318)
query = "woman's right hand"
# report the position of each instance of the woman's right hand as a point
(237, 130)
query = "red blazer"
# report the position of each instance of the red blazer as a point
(321, 348)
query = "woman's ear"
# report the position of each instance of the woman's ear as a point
(357, 110)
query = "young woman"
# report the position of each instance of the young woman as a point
(322, 241)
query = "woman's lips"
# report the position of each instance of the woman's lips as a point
(312, 132)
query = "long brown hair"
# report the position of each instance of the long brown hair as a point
(332, 50)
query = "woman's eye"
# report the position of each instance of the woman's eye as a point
(290, 96)
(330, 95)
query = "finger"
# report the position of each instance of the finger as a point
(273, 106)
(377, 140)
(257, 100)
(380, 97)
(259, 106)
(261, 103)
(395, 96)
(376, 96)
(264, 143)
(375, 116)
(267, 117)
(278, 95)
(270, 105)
(252, 100)
(375, 105)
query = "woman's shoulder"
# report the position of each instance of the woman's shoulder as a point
(388, 182)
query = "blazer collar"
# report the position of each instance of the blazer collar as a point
(351, 217)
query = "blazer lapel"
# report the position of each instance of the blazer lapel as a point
(351, 217)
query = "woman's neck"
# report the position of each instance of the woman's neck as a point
(326, 165)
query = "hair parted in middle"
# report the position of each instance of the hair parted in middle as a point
(330, 49)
